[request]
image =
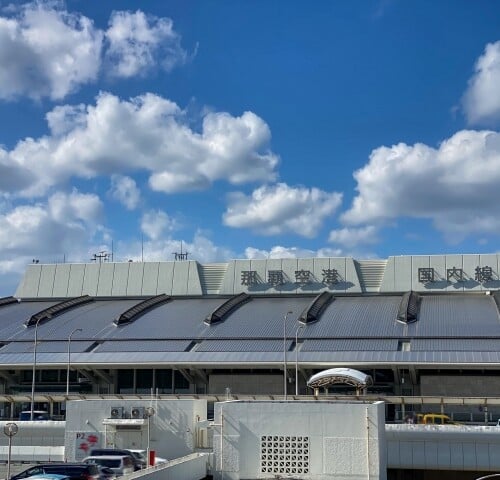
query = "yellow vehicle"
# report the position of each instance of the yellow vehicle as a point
(435, 419)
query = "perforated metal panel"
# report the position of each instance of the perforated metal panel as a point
(284, 455)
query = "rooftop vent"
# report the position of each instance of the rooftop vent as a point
(220, 313)
(496, 297)
(7, 301)
(409, 307)
(141, 308)
(57, 309)
(315, 308)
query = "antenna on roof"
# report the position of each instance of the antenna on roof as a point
(180, 256)
(100, 257)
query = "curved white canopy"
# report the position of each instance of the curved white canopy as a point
(347, 376)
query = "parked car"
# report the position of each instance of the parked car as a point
(49, 476)
(435, 419)
(139, 463)
(143, 455)
(75, 471)
(120, 464)
(37, 415)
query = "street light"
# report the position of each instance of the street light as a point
(150, 411)
(34, 370)
(69, 358)
(284, 352)
(299, 328)
(10, 429)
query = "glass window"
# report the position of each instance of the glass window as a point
(50, 376)
(181, 383)
(125, 381)
(164, 380)
(144, 381)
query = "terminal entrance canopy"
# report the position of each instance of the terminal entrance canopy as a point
(346, 376)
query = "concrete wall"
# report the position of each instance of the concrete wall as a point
(399, 274)
(48, 433)
(307, 440)
(34, 442)
(173, 430)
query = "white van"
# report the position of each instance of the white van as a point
(120, 464)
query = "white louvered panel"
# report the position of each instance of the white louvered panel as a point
(371, 273)
(212, 276)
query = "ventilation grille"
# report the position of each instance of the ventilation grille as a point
(284, 455)
(371, 273)
(226, 308)
(409, 307)
(315, 309)
(212, 276)
(57, 309)
(496, 297)
(141, 308)
(7, 301)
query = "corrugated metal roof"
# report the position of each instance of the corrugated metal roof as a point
(457, 315)
(50, 346)
(243, 346)
(455, 329)
(143, 346)
(262, 318)
(455, 344)
(358, 317)
(12, 317)
(347, 344)
(180, 318)
(243, 358)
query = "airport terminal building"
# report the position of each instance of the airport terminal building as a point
(418, 325)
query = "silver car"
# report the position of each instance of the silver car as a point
(120, 464)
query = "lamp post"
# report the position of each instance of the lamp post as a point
(69, 358)
(299, 328)
(9, 429)
(150, 411)
(34, 371)
(284, 352)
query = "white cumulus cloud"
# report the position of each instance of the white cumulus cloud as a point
(454, 185)
(60, 228)
(277, 209)
(46, 51)
(61, 225)
(200, 248)
(279, 251)
(146, 133)
(155, 223)
(482, 99)
(124, 189)
(351, 237)
(138, 41)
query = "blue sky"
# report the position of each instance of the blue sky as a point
(247, 129)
